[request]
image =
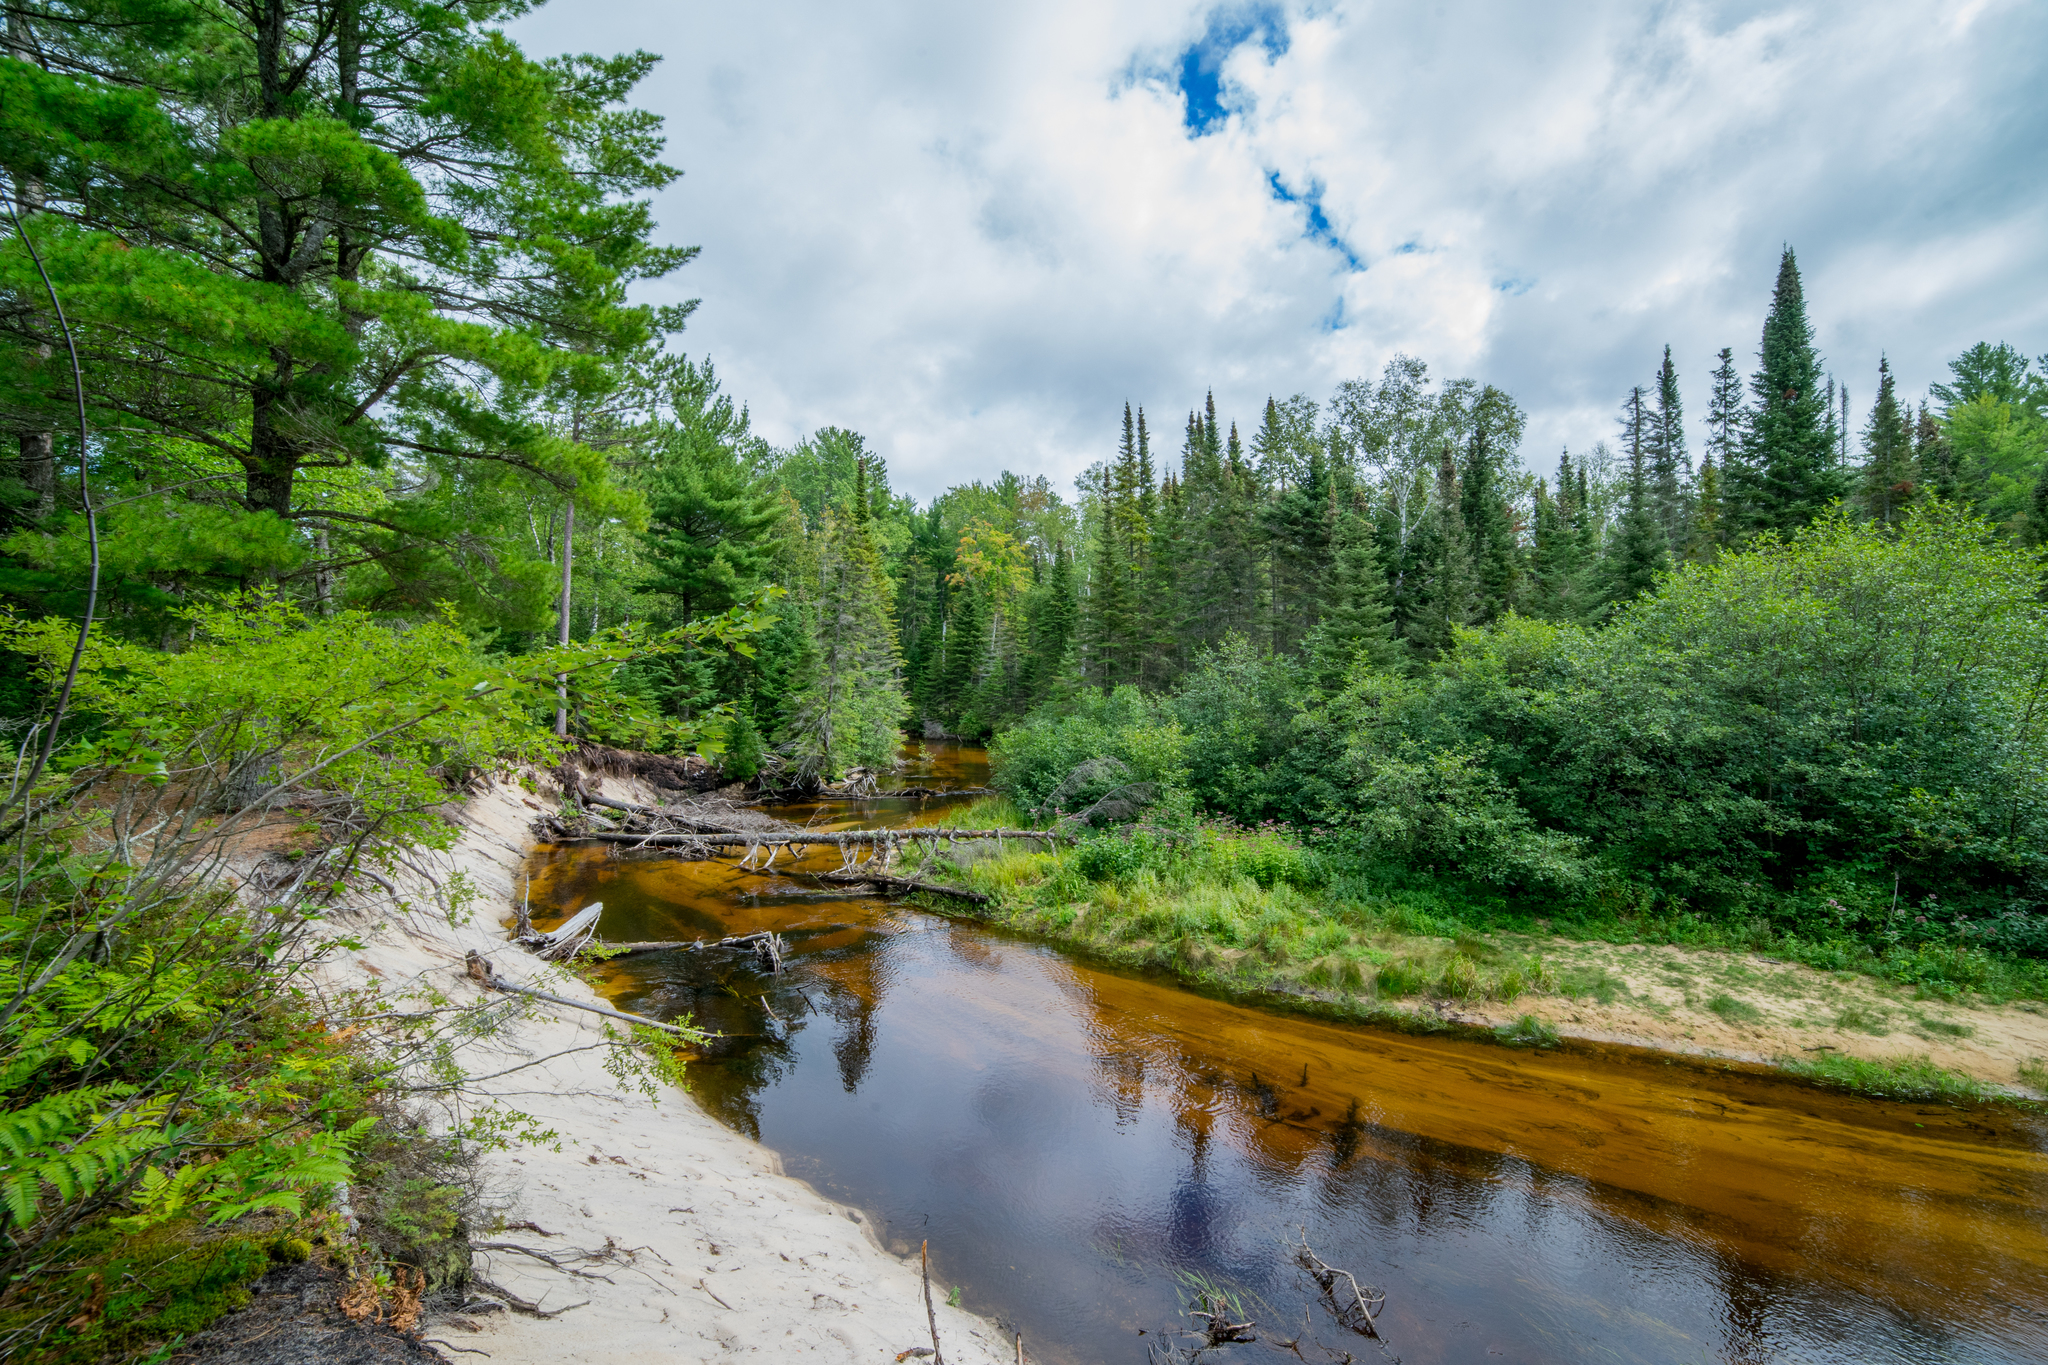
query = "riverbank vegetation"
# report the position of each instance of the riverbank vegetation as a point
(347, 468)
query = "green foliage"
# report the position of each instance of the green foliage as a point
(1031, 760)
(1901, 1078)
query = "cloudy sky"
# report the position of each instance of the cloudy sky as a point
(971, 232)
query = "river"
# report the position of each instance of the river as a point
(1079, 1144)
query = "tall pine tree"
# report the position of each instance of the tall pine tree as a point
(1888, 481)
(1446, 587)
(1790, 470)
(1670, 465)
(1637, 552)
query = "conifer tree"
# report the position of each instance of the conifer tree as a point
(847, 712)
(1489, 522)
(1110, 606)
(1790, 468)
(1934, 457)
(1558, 561)
(1445, 586)
(1670, 465)
(324, 234)
(1638, 552)
(1297, 522)
(1054, 622)
(1726, 422)
(1888, 478)
(1703, 539)
(1357, 623)
(2035, 530)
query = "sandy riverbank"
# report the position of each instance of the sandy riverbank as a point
(677, 1239)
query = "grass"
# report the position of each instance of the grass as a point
(1735, 1011)
(1230, 910)
(2034, 1074)
(1900, 1078)
(1863, 1019)
(1528, 1031)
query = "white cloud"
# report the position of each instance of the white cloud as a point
(973, 232)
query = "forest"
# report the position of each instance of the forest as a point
(342, 450)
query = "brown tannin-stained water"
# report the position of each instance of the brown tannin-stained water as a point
(1076, 1141)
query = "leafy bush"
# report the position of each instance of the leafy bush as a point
(1030, 761)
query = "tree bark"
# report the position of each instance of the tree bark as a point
(562, 631)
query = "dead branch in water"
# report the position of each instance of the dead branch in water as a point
(1354, 1307)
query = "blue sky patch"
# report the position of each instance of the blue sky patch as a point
(1201, 66)
(1318, 226)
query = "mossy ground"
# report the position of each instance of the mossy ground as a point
(118, 1296)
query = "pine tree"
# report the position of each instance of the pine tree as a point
(1446, 586)
(1888, 477)
(2035, 531)
(1054, 620)
(1489, 522)
(1791, 470)
(1670, 465)
(1357, 622)
(1703, 541)
(1110, 608)
(1934, 457)
(1297, 523)
(1638, 552)
(1558, 562)
(846, 713)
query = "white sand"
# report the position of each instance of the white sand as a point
(714, 1252)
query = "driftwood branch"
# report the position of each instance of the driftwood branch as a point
(1355, 1307)
(480, 971)
(931, 1314)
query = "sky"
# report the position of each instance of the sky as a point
(973, 232)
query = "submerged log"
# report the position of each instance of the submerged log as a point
(863, 875)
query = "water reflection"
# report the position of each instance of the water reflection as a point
(1070, 1138)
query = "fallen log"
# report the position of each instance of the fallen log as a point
(863, 875)
(481, 972)
(697, 945)
(631, 808)
(839, 837)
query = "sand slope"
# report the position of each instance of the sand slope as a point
(680, 1239)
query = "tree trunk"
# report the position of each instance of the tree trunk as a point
(562, 632)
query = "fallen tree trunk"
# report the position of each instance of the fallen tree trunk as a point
(839, 837)
(696, 945)
(905, 883)
(481, 972)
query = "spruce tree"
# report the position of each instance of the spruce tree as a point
(1489, 521)
(1789, 454)
(1888, 479)
(1446, 587)
(1704, 537)
(1934, 457)
(1727, 420)
(2035, 530)
(1638, 552)
(1557, 565)
(847, 711)
(1670, 465)
(1357, 623)
(1297, 524)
